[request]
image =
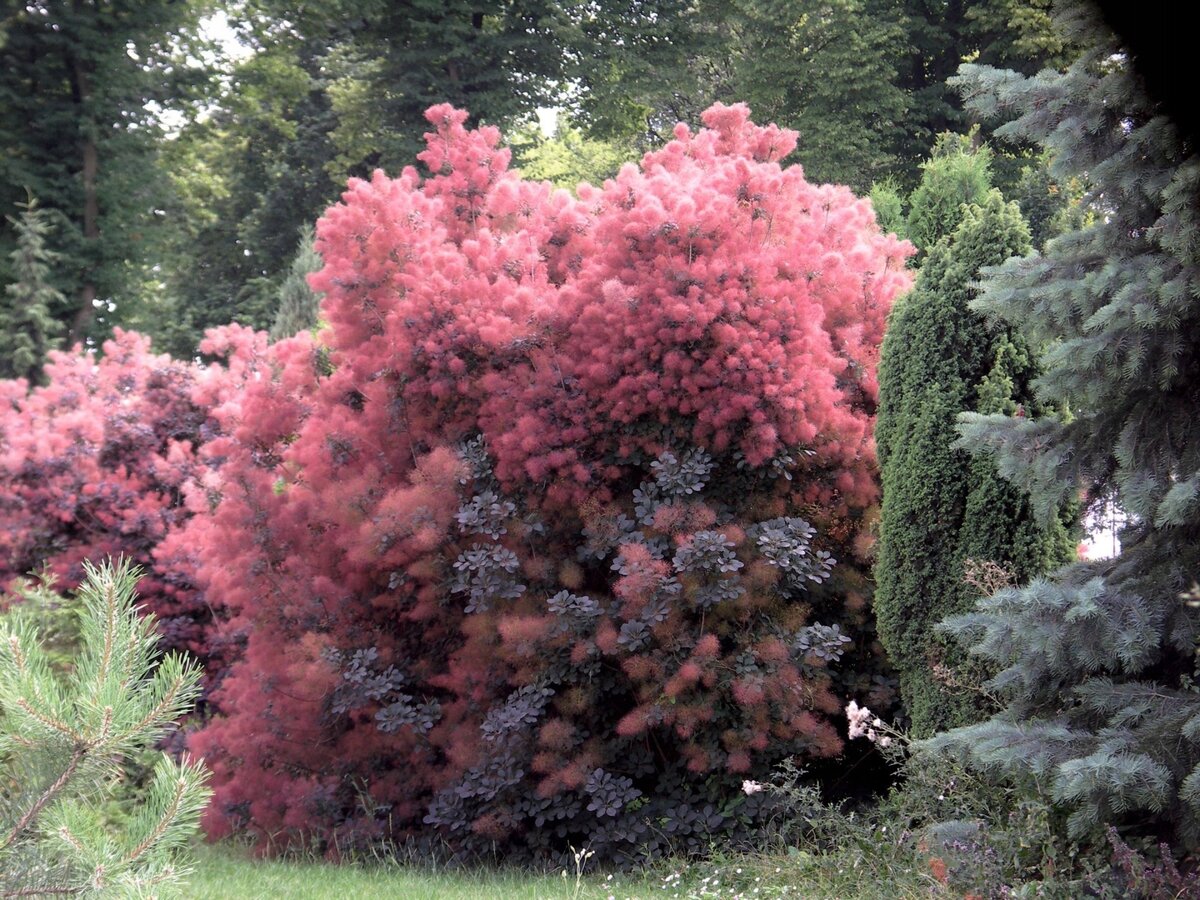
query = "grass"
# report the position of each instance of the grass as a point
(820, 852)
(227, 872)
(224, 872)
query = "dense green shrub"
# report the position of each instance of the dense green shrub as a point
(957, 174)
(299, 305)
(28, 327)
(889, 208)
(941, 508)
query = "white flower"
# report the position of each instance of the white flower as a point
(859, 717)
(864, 723)
(752, 787)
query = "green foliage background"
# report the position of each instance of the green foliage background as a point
(196, 212)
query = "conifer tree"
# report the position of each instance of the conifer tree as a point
(830, 70)
(299, 305)
(83, 85)
(940, 507)
(61, 743)
(28, 325)
(955, 174)
(1049, 207)
(1099, 662)
(889, 208)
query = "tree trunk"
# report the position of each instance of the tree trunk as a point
(81, 89)
(91, 232)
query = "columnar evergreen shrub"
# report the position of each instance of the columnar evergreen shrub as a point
(556, 536)
(1098, 663)
(299, 305)
(62, 739)
(98, 460)
(888, 203)
(942, 508)
(957, 174)
(28, 327)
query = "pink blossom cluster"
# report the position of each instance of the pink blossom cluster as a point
(709, 298)
(864, 723)
(383, 603)
(97, 461)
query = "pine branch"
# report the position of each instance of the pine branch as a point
(164, 822)
(48, 795)
(110, 630)
(42, 891)
(61, 727)
(120, 702)
(162, 710)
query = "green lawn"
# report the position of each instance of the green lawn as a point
(224, 872)
(228, 873)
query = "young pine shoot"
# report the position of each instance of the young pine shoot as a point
(63, 739)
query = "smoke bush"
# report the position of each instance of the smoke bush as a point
(555, 534)
(98, 463)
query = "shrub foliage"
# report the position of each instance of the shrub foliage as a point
(99, 461)
(558, 533)
(941, 508)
